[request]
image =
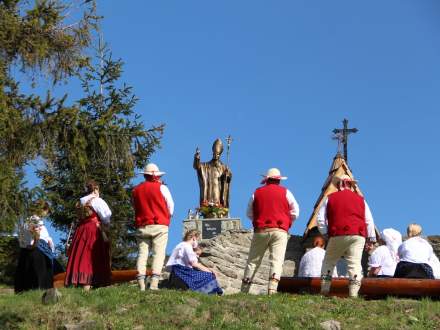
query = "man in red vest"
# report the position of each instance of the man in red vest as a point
(346, 219)
(272, 209)
(153, 207)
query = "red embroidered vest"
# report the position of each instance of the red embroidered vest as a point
(346, 214)
(150, 205)
(271, 208)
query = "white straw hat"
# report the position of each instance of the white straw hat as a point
(274, 173)
(152, 169)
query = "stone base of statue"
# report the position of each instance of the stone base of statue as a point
(211, 227)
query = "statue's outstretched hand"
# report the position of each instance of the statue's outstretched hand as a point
(197, 154)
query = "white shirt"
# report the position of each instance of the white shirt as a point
(435, 265)
(168, 199)
(100, 206)
(183, 254)
(383, 257)
(311, 263)
(293, 206)
(26, 239)
(416, 250)
(322, 220)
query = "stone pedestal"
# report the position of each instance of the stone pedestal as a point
(211, 227)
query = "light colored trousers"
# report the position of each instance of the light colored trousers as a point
(276, 242)
(152, 238)
(350, 247)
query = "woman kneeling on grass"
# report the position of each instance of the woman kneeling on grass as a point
(187, 272)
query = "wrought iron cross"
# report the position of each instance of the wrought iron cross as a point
(342, 135)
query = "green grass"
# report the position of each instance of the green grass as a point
(124, 307)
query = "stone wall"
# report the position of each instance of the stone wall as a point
(227, 254)
(435, 242)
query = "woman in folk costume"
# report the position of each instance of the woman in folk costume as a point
(416, 256)
(36, 260)
(383, 260)
(89, 252)
(187, 272)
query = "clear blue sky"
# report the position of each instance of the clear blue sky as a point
(279, 76)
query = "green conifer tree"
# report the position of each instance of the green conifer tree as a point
(99, 138)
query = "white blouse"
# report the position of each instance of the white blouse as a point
(416, 250)
(25, 238)
(100, 207)
(311, 263)
(435, 265)
(183, 254)
(383, 257)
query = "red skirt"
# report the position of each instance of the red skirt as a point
(89, 256)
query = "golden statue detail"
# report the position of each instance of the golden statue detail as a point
(214, 180)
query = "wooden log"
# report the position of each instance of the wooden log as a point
(370, 288)
(118, 276)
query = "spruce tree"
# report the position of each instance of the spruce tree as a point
(38, 41)
(100, 138)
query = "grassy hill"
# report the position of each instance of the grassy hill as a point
(124, 307)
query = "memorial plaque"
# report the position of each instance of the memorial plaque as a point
(211, 228)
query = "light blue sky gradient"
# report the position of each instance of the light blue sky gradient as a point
(279, 76)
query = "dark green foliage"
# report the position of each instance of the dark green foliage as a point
(9, 251)
(97, 136)
(36, 39)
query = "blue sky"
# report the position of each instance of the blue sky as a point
(279, 76)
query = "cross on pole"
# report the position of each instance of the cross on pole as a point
(228, 141)
(342, 135)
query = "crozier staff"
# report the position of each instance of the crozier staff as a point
(272, 209)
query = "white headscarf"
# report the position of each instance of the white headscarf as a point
(392, 239)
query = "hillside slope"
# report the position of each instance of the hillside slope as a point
(124, 307)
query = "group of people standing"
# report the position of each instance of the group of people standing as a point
(344, 221)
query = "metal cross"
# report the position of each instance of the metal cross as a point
(342, 135)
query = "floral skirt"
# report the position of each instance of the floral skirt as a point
(89, 256)
(197, 280)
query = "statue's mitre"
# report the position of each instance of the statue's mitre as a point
(218, 146)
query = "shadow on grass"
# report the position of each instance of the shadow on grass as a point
(10, 320)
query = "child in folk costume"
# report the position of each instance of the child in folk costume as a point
(346, 219)
(89, 253)
(186, 272)
(153, 206)
(272, 209)
(383, 260)
(35, 267)
(416, 256)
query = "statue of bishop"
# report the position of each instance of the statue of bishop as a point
(214, 177)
